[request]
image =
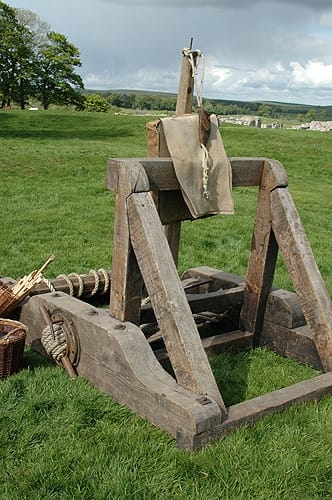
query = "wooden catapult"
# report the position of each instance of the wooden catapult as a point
(110, 347)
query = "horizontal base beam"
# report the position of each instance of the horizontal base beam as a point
(252, 410)
(117, 358)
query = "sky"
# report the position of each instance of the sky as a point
(265, 50)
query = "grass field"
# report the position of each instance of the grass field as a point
(62, 439)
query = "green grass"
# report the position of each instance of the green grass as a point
(62, 439)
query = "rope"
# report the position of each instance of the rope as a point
(194, 62)
(205, 167)
(69, 283)
(106, 279)
(80, 283)
(48, 284)
(195, 57)
(56, 346)
(96, 286)
(79, 278)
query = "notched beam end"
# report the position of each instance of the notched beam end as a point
(127, 175)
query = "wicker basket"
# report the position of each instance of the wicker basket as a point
(12, 341)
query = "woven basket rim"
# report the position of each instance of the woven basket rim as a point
(18, 328)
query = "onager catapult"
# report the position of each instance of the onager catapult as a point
(111, 350)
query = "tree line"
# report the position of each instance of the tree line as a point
(105, 100)
(36, 62)
(40, 64)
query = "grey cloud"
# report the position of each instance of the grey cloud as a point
(137, 43)
(234, 4)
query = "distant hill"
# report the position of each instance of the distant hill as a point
(249, 107)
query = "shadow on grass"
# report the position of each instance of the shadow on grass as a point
(33, 360)
(79, 133)
(231, 372)
(59, 126)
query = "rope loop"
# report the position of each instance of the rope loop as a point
(80, 283)
(195, 57)
(96, 285)
(106, 279)
(69, 283)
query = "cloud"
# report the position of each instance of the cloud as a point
(313, 74)
(255, 49)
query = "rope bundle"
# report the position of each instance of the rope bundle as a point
(68, 278)
(54, 341)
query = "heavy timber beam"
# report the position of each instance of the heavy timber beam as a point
(168, 299)
(161, 174)
(116, 358)
(263, 254)
(126, 289)
(296, 251)
(252, 410)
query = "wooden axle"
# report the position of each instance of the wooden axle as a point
(87, 281)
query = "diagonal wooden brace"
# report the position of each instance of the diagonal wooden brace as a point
(300, 262)
(168, 299)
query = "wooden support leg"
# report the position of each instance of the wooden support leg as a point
(168, 299)
(302, 267)
(261, 266)
(126, 290)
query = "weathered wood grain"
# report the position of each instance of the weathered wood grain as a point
(218, 279)
(116, 358)
(302, 267)
(126, 289)
(161, 175)
(168, 299)
(216, 302)
(296, 343)
(252, 410)
(263, 256)
(235, 341)
(61, 284)
(186, 87)
(283, 307)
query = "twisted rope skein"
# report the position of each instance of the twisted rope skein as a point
(55, 347)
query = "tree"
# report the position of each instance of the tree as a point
(37, 27)
(265, 110)
(95, 102)
(36, 62)
(317, 114)
(15, 55)
(56, 81)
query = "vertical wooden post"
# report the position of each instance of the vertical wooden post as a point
(127, 283)
(263, 254)
(186, 88)
(157, 143)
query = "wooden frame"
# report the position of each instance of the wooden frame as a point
(117, 357)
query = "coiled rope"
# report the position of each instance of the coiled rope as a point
(53, 337)
(68, 278)
(54, 341)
